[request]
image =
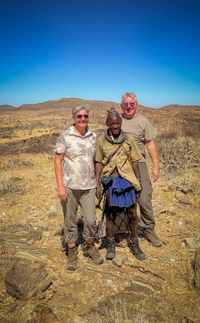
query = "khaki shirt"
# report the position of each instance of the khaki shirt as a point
(78, 159)
(141, 130)
(121, 161)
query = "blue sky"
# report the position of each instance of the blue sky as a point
(52, 49)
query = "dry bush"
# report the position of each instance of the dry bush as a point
(17, 163)
(113, 312)
(10, 185)
(177, 155)
(180, 160)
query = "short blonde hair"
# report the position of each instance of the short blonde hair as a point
(128, 94)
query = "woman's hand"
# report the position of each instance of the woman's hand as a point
(99, 192)
(62, 194)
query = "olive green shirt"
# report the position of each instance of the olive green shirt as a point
(122, 160)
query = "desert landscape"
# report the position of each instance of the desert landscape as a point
(34, 284)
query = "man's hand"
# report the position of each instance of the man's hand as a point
(155, 174)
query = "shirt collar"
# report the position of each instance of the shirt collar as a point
(74, 133)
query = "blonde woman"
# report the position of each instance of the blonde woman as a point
(76, 184)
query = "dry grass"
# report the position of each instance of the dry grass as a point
(10, 185)
(179, 152)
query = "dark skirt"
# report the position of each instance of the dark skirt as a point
(121, 191)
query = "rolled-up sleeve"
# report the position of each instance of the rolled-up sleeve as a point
(149, 133)
(60, 145)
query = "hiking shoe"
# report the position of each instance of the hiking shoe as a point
(150, 236)
(72, 259)
(135, 249)
(110, 254)
(104, 243)
(93, 253)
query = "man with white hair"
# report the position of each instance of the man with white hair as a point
(141, 130)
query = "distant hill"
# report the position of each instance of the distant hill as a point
(67, 103)
(7, 107)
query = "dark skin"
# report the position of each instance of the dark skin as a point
(114, 126)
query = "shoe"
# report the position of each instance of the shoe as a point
(72, 259)
(104, 243)
(135, 249)
(93, 253)
(110, 254)
(150, 236)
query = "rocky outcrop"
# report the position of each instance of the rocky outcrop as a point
(26, 279)
(22, 270)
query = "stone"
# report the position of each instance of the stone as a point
(26, 279)
(182, 198)
(139, 284)
(42, 313)
(119, 262)
(20, 232)
(191, 242)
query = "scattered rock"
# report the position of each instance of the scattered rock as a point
(191, 242)
(139, 284)
(182, 198)
(164, 211)
(172, 211)
(79, 319)
(42, 313)
(20, 232)
(119, 262)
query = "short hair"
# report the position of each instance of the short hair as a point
(128, 94)
(113, 115)
(78, 108)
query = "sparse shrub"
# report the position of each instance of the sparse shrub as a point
(10, 185)
(180, 160)
(17, 163)
(177, 155)
(113, 312)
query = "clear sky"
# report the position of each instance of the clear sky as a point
(52, 49)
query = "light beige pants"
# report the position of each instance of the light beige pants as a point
(85, 199)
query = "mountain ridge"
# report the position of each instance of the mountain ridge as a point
(65, 103)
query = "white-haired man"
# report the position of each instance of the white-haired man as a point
(140, 128)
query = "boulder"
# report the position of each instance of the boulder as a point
(26, 279)
(183, 198)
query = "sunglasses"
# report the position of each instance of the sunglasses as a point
(126, 105)
(82, 116)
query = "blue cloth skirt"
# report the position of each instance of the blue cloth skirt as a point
(121, 191)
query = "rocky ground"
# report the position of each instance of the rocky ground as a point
(159, 289)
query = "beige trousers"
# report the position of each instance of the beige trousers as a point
(147, 219)
(85, 199)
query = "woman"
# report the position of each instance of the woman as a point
(76, 184)
(116, 162)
